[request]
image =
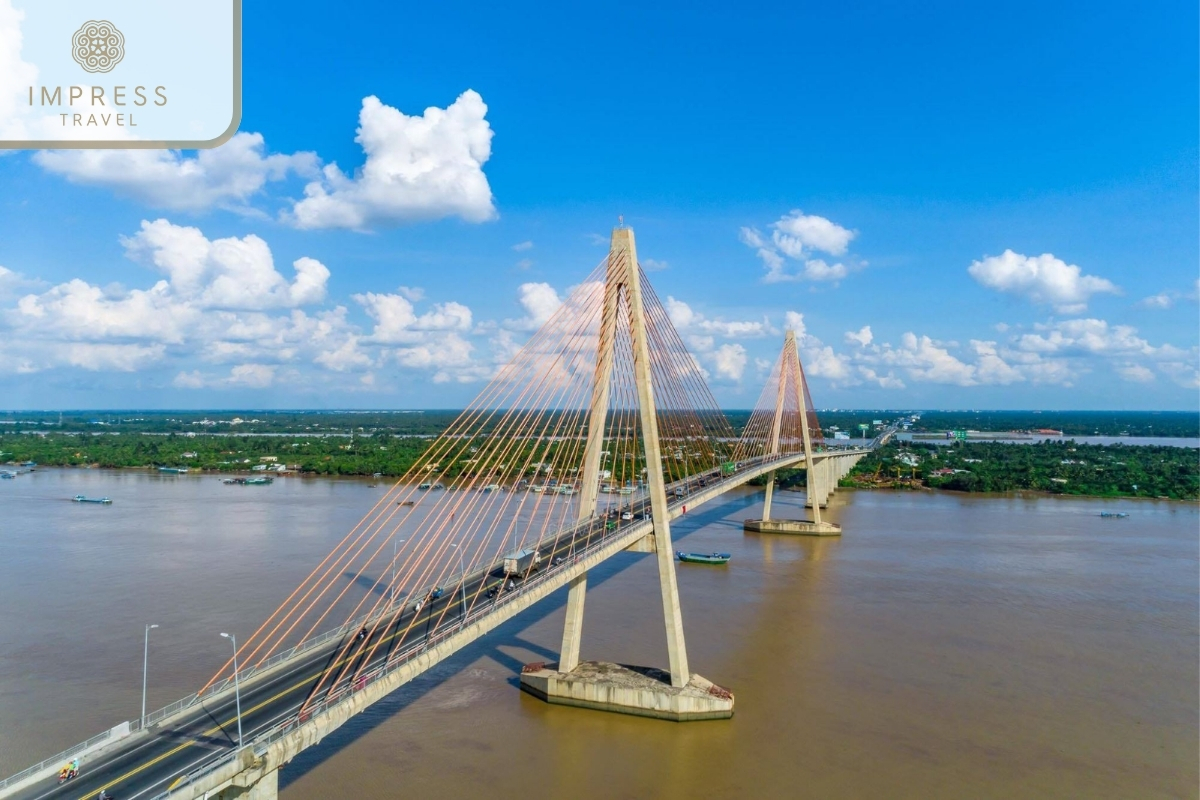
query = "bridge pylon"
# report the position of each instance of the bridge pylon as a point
(603, 685)
(787, 405)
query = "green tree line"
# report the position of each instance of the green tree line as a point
(1055, 467)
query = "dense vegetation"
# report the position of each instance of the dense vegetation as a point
(411, 423)
(1071, 423)
(1056, 467)
(364, 443)
(433, 422)
(324, 455)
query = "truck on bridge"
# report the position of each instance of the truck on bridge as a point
(520, 562)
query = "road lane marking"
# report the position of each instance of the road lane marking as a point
(221, 726)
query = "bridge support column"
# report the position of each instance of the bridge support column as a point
(767, 500)
(816, 471)
(573, 627)
(819, 486)
(676, 693)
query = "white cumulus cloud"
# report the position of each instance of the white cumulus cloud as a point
(417, 168)
(788, 250)
(689, 321)
(540, 301)
(862, 337)
(1136, 373)
(225, 176)
(396, 319)
(224, 273)
(927, 361)
(730, 361)
(1043, 279)
(820, 361)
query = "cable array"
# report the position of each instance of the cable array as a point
(774, 426)
(505, 478)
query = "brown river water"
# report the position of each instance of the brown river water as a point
(946, 646)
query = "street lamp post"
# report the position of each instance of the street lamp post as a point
(237, 691)
(462, 581)
(395, 542)
(145, 661)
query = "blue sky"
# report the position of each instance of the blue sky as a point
(957, 207)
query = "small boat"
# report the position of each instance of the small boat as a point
(491, 487)
(1114, 514)
(173, 470)
(406, 502)
(81, 499)
(703, 558)
(258, 481)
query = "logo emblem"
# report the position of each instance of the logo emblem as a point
(98, 46)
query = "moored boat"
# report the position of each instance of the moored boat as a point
(703, 558)
(173, 470)
(82, 499)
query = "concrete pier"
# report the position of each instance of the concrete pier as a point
(796, 527)
(641, 691)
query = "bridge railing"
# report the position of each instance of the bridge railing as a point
(58, 760)
(245, 675)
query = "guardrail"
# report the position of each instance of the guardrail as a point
(60, 759)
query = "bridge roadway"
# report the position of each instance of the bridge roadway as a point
(150, 763)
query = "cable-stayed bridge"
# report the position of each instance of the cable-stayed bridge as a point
(598, 433)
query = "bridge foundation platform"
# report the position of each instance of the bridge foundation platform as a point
(795, 527)
(641, 691)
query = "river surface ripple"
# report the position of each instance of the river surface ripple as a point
(946, 646)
